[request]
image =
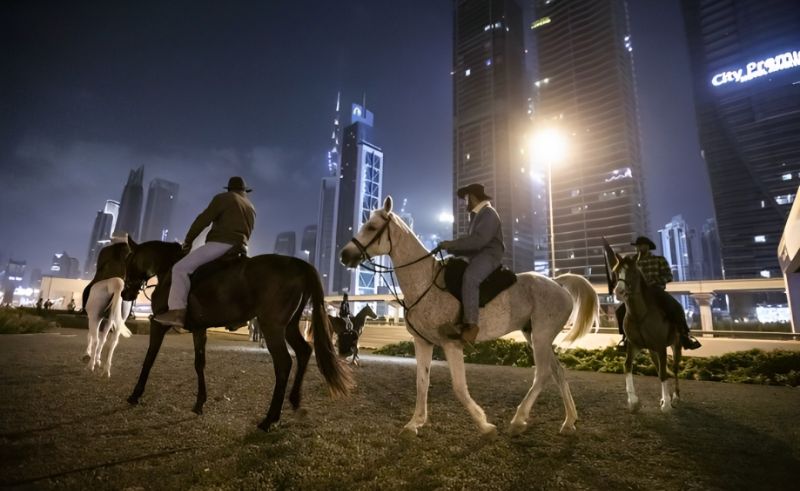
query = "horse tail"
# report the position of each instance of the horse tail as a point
(115, 315)
(336, 374)
(585, 300)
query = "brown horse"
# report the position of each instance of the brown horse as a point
(228, 292)
(646, 327)
(347, 338)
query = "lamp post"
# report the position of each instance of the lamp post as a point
(549, 146)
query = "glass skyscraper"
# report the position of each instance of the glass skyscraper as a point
(586, 89)
(745, 57)
(130, 207)
(161, 198)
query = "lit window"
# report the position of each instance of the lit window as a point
(765, 273)
(784, 199)
(540, 22)
(468, 72)
(575, 192)
(467, 156)
(787, 176)
(489, 62)
(759, 238)
(763, 204)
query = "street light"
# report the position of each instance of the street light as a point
(549, 146)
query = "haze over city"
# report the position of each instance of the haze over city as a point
(196, 92)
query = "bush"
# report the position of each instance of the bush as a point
(14, 321)
(753, 367)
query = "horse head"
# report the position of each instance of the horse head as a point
(372, 239)
(368, 312)
(628, 277)
(154, 258)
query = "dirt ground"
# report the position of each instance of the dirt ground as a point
(64, 427)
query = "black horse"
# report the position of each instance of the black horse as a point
(230, 291)
(347, 339)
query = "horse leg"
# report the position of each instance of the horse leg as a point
(676, 366)
(660, 359)
(566, 396)
(302, 352)
(633, 400)
(101, 343)
(282, 363)
(423, 352)
(157, 332)
(95, 305)
(199, 336)
(543, 357)
(119, 325)
(455, 359)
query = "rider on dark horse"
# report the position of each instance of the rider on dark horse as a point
(231, 216)
(657, 274)
(344, 312)
(484, 247)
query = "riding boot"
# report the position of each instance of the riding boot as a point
(689, 342)
(171, 318)
(622, 346)
(469, 332)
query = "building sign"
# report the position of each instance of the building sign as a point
(756, 69)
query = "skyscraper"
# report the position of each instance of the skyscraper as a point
(677, 247)
(586, 89)
(308, 244)
(489, 120)
(324, 253)
(745, 58)
(130, 208)
(359, 192)
(161, 198)
(285, 243)
(104, 223)
(64, 266)
(709, 243)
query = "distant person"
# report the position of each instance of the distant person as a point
(232, 217)
(39, 305)
(657, 274)
(47, 305)
(344, 312)
(71, 305)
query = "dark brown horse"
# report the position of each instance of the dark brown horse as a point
(347, 338)
(272, 288)
(646, 327)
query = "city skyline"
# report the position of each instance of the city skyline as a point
(274, 134)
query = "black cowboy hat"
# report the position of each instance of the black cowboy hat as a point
(644, 240)
(236, 183)
(475, 190)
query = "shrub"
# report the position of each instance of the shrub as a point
(13, 321)
(754, 366)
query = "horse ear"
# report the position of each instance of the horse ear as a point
(132, 243)
(387, 204)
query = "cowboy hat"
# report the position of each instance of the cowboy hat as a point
(644, 240)
(475, 190)
(236, 183)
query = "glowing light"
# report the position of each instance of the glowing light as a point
(445, 217)
(548, 146)
(540, 22)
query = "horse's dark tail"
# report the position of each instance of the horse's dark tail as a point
(337, 375)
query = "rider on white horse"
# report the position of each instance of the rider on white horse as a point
(483, 246)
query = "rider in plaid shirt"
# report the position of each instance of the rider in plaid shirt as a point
(657, 274)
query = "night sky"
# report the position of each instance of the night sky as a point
(199, 91)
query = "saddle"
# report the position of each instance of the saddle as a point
(500, 279)
(236, 255)
(233, 259)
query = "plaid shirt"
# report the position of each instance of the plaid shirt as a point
(656, 270)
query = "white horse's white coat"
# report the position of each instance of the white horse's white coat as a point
(547, 304)
(99, 296)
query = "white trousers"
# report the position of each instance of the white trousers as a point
(179, 291)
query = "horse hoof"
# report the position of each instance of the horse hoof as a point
(634, 406)
(267, 426)
(408, 433)
(517, 428)
(666, 407)
(198, 410)
(301, 413)
(567, 429)
(489, 432)
(133, 400)
(86, 358)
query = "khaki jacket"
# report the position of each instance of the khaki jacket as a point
(231, 216)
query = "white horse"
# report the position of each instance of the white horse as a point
(537, 305)
(100, 295)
